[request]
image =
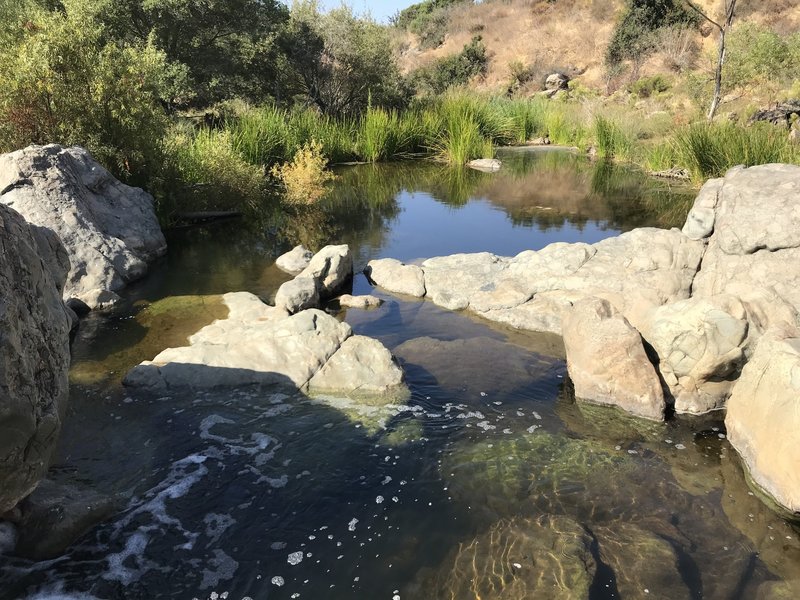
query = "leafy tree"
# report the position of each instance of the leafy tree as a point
(62, 80)
(633, 36)
(349, 64)
(428, 20)
(231, 48)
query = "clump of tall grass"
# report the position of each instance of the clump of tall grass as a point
(612, 141)
(710, 149)
(383, 134)
(462, 137)
(205, 172)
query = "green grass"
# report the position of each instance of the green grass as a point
(612, 141)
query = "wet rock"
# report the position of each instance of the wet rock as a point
(55, 516)
(397, 277)
(34, 354)
(298, 294)
(701, 347)
(644, 564)
(8, 537)
(361, 368)
(110, 230)
(547, 557)
(364, 302)
(331, 268)
(607, 361)
(261, 344)
(294, 261)
(487, 165)
(764, 415)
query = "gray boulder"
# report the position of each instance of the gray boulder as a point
(556, 82)
(331, 268)
(294, 261)
(397, 277)
(763, 417)
(34, 353)
(298, 294)
(486, 165)
(364, 302)
(607, 361)
(110, 230)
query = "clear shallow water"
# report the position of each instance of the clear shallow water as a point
(492, 482)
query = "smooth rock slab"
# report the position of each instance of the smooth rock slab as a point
(607, 362)
(298, 294)
(294, 261)
(110, 230)
(396, 277)
(34, 353)
(763, 417)
(363, 302)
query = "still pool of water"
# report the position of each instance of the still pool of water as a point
(492, 482)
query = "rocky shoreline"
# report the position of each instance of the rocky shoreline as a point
(654, 322)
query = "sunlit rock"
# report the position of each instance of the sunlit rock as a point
(298, 294)
(294, 261)
(110, 230)
(607, 361)
(363, 302)
(396, 277)
(331, 268)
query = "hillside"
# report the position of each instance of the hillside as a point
(572, 36)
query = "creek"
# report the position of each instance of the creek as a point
(491, 483)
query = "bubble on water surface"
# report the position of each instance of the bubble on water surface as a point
(278, 581)
(351, 526)
(295, 558)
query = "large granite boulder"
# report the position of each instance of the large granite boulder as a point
(764, 417)
(331, 268)
(262, 344)
(607, 361)
(110, 230)
(295, 260)
(34, 353)
(298, 294)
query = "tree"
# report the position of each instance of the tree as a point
(723, 27)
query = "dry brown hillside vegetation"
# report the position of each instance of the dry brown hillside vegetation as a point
(571, 36)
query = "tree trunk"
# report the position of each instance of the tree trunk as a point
(718, 77)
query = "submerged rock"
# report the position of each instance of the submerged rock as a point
(110, 230)
(547, 557)
(34, 353)
(487, 165)
(294, 261)
(55, 516)
(607, 361)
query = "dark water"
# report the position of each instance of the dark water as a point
(491, 483)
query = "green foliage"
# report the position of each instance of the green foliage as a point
(203, 171)
(634, 38)
(647, 86)
(757, 55)
(612, 142)
(710, 149)
(467, 133)
(353, 67)
(305, 177)
(455, 70)
(428, 20)
(62, 80)
(231, 48)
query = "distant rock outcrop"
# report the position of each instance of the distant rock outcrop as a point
(110, 230)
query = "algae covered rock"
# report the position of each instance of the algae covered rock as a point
(548, 557)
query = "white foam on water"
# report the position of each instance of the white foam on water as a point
(216, 525)
(351, 526)
(222, 568)
(295, 558)
(56, 592)
(277, 580)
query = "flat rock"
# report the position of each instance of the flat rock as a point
(397, 277)
(763, 417)
(294, 261)
(109, 230)
(487, 165)
(331, 268)
(450, 281)
(363, 302)
(607, 361)
(34, 353)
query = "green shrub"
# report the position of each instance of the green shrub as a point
(455, 70)
(305, 177)
(647, 86)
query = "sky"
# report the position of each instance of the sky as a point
(381, 10)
